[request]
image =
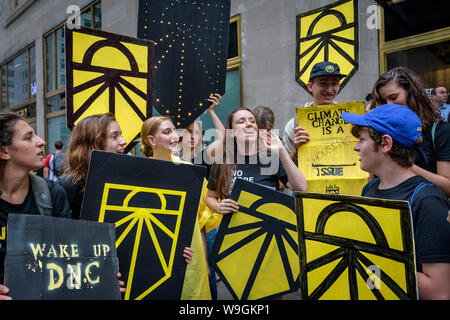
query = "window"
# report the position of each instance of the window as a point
(55, 75)
(18, 84)
(407, 18)
(416, 36)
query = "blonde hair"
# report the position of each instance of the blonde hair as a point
(149, 128)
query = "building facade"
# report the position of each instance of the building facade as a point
(261, 62)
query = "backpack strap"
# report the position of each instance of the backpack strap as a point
(41, 194)
(370, 185)
(433, 133)
(418, 188)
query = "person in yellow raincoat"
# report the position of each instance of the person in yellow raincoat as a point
(159, 140)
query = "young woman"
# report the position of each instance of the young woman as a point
(159, 140)
(21, 152)
(402, 86)
(241, 159)
(96, 132)
(193, 148)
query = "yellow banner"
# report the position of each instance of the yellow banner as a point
(108, 72)
(329, 33)
(355, 248)
(328, 160)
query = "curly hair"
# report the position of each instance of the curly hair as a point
(89, 134)
(7, 122)
(417, 99)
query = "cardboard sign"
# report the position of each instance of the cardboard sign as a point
(153, 204)
(52, 258)
(355, 248)
(261, 239)
(191, 52)
(328, 160)
(329, 33)
(107, 72)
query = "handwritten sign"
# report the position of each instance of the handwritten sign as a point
(56, 258)
(328, 160)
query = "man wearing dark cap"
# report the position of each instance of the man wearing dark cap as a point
(324, 84)
(388, 136)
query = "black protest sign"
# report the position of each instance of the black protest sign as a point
(55, 258)
(262, 240)
(191, 51)
(153, 204)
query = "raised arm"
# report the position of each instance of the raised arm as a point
(296, 179)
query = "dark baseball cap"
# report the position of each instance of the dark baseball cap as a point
(325, 68)
(399, 122)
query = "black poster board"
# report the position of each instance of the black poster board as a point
(191, 51)
(52, 258)
(153, 204)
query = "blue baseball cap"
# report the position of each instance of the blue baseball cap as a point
(399, 122)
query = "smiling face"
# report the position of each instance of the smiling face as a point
(165, 138)
(392, 93)
(244, 126)
(324, 89)
(25, 150)
(114, 140)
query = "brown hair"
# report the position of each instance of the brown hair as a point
(264, 117)
(89, 134)
(417, 99)
(7, 122)
(223, 173)
(402, 156)
(149, 128)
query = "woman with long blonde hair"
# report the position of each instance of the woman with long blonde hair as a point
(159, 140)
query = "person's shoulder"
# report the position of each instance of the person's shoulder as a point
(289, 124)
(443, 128)
(425, 189)
(53, 186)
(47, 159)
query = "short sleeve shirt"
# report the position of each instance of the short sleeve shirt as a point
(441, 149)
(429, 213)
(254, 170)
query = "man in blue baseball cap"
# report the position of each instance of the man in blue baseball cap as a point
(324, 84)
(388, 136)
